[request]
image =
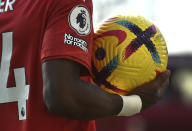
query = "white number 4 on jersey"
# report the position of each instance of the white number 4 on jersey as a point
(20, 93)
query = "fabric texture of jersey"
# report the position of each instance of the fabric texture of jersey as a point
(32, 32)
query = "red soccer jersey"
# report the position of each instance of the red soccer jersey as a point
(31, 32)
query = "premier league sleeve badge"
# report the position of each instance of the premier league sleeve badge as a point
(80, 20)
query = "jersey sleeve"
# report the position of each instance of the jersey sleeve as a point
(69, 32)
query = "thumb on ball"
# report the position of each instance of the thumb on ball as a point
(163, 77)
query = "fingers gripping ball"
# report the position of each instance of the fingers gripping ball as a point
(128, 51)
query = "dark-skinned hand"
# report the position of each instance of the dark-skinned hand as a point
(153, 91)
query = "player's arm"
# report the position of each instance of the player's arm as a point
(66, 95)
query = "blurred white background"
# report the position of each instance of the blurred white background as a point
(173, 18)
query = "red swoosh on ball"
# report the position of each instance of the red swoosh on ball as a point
(121, 35)
(117, 90)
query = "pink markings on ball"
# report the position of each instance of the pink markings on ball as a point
(121, 35)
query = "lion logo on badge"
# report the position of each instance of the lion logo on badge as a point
(79, 20)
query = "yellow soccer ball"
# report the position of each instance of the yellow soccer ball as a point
(128, 51)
